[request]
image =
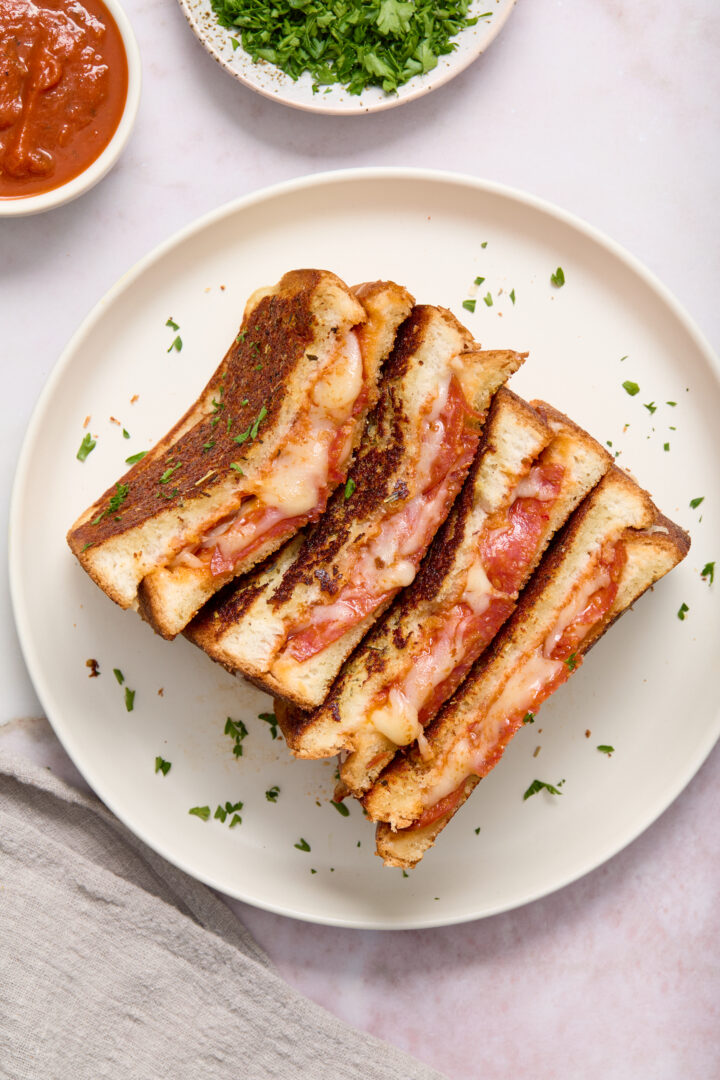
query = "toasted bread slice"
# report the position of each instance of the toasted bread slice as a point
(616, 545)
(420, 440)
(255, 458)
(533, 468)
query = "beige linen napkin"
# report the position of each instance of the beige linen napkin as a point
(115, 964)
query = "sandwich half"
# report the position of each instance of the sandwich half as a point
(290, 626)
(255, 458)
(533, 467)
(615, 546)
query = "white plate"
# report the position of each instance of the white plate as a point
(647, 689)
(271, 82)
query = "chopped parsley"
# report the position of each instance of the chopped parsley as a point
(203, 812)
(478, 281)
(118, 675)
(169, 472)
(129, 699)
(208, 445)
(694, 503)
(134, 458)
(302, 845)
(271, 719)
(571, 662)
(260, 417)
(631, 388)
(340, 807)
(682, 612)
(540, 785)
(237, 467)
(126, 433)
(651, 407)
(708, 571)
(237, 731)
(357, 43)
(272, 794)
(121, 494)
(163, 766)
(171, 324)
(604, 749)
(666, 446)
(529, 718)
(223, 812)
(349, 488)
(477, 831)
(176, 344)
(87, 446)
(558, 278)
(488, 299)
(673, 403)
(512, 296)
(484, 244)
(469, 305)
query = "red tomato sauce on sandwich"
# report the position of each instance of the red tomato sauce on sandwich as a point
(565, 649)
(410, 530)
(63, 85)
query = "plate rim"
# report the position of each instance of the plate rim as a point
(22, 619)
(321, 109)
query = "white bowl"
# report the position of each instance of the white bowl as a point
(48, 200)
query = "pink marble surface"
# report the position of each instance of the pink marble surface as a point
(610, 110)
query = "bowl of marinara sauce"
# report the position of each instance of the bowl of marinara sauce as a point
(69, 93)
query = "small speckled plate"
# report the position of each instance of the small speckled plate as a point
(271, 82)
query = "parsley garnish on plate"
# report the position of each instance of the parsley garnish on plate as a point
(340, 807)
(134, 458)
(682, 612)
(118, 675)
(694, 503)
(540, 785)
(271, 719)
(631, 388)
(512, 296)
(237, 731)
(558, 278)
(469, 305)
(203, 812)
(87, 446)
(176, 344)
(129, 699)
(357, 43)
(708, 571)
(488, 299)
(604, 749)
(272, 793)
(302, 845)
(163, 766)
(171, 324)
(651, 407)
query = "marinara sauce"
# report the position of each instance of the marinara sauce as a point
(63, 85)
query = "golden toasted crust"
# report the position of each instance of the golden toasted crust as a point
(255, 375)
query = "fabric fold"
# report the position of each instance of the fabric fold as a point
(113, 963)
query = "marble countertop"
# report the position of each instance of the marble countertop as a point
(610, 111)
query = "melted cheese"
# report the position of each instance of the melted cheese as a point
(337, 390)
(298, 474)
(578, 603)
(398, 719)
(470, 754)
